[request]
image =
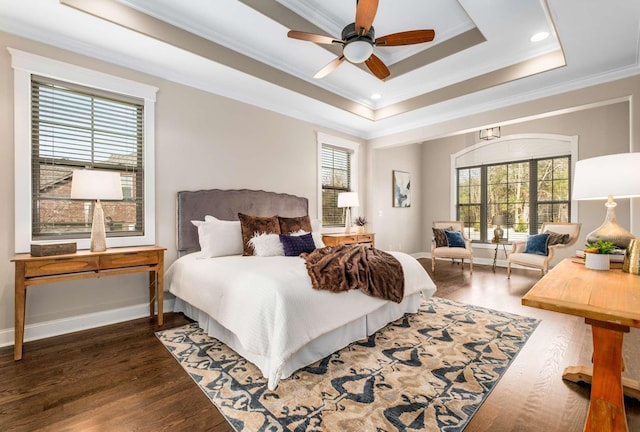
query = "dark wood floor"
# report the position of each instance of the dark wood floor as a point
(120, 378)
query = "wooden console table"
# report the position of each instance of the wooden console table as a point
(610, 302)
(85, 264)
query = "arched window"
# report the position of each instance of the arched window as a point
(524, 178)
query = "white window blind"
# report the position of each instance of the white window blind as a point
(74, 127)
(336, 178)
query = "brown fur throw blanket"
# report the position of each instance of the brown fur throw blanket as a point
(346, 267)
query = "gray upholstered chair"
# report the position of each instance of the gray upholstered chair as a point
(542, 262)
(442, 250)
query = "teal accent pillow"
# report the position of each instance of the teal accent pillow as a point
(538, 244)
(455, 239)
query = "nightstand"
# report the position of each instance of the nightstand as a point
(85, 264)
(338, 239)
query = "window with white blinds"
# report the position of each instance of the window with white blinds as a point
(75, 127)
(336, 172)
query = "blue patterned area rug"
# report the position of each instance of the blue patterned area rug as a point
(428, 371)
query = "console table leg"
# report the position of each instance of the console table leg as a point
(152, 293)
(606, 408)
(20, 306)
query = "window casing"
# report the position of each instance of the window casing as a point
(338, 172)
(528, 193)
(25, 66)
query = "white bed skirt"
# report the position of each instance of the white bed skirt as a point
(315, 350)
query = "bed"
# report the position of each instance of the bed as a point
(265, 308)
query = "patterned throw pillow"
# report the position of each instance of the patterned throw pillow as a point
(295, 245)
(538, 244)
(252, 225)
(555, 238)
(289, 225)
(455, 239)
(440, 237)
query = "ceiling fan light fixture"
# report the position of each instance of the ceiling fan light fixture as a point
(358, 51)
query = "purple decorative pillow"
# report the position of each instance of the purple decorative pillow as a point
(295, 245)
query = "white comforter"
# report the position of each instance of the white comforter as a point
(269, 303)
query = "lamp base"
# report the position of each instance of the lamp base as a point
(497, 235)
(610, 230)
(98, 232)
(347, 220)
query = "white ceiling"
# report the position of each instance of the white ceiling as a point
(481, 57)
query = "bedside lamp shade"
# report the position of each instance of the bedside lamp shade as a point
(606, 177)
(96, 185)
(347, 200)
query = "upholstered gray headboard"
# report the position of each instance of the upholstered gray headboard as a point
(225, 205)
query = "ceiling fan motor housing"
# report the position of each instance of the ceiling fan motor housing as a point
(349, 34)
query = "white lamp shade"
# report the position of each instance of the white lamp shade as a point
(616, 175)
(96, 184)
(348, 199)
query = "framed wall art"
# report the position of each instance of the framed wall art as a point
(401, 189)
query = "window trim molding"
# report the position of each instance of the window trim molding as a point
(323, 138)
(566, 141)
(25, 64)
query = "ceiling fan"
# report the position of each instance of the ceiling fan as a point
(358, 40)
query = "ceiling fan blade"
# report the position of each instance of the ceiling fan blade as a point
(365, 13)
(311, 37)
(376, 67)
(406, 38)
(329, 68)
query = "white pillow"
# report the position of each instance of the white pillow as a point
(265, 245)
(316, 225)
(317, 237)
(219, 238)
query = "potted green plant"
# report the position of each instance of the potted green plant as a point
(360, 223)
(596, 254)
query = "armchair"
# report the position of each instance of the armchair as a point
(518, 255)
(441, 249)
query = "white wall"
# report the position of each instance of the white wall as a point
(397, 229)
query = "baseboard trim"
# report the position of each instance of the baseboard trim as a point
(81, 322)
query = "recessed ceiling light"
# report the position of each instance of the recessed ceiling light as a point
(539, 36)
(376, 96)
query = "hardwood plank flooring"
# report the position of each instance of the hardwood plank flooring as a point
(120, 378)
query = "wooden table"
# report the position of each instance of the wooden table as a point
(354, 238)
(610, 302)
(85, 264)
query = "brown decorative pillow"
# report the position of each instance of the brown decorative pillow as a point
(555, 238)
(251, 225)
(440, 236)
(289, 225)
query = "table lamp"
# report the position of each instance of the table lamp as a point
(496, 221)
(606, 177)
(96, 185)
(347, 200)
